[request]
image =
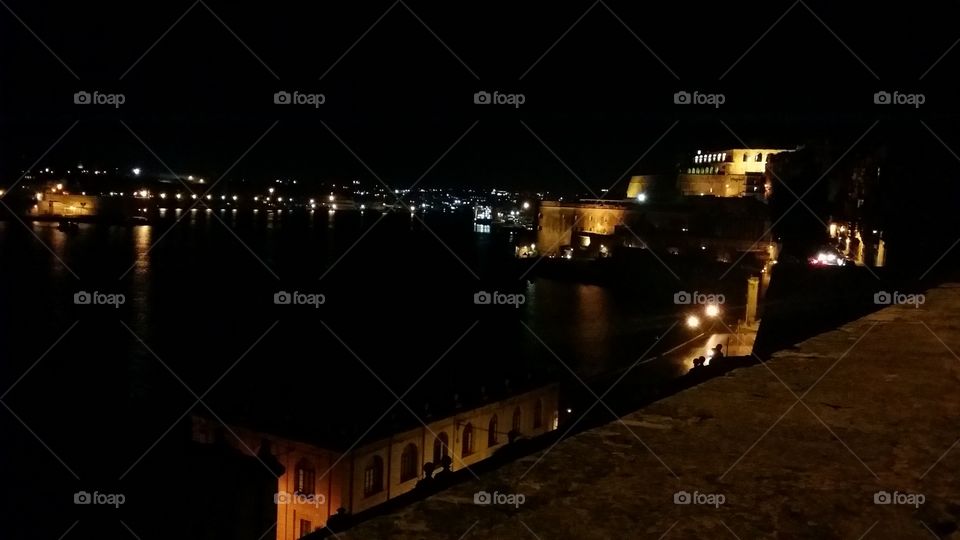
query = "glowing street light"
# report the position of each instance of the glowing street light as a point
(712, 310)
(642, 197)
(136, 171)
(693, 321)
(526, 205)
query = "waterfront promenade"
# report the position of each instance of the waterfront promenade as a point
(808, 445)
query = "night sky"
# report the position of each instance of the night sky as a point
(399, 78)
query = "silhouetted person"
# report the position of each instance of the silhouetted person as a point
(427, 481)
(699, 361)
(339, 521)
(718, 352)
(445, 471)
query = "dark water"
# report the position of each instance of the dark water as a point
(199, 320)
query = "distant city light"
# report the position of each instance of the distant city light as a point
(136, 171)
(143, 193)
(413, 209)
(271, 191)
(526, 206)
(163, 195)
(641, 197)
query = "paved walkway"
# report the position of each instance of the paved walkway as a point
(797, 448)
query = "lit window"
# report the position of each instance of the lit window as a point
(373, 477)
(467, 440)
(492, 439)
(440, 446)
(304, 478)
(408, 463)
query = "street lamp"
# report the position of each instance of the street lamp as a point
(712, 310)
(693, 321)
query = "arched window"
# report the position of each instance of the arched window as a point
(744, 157)
(467, 440)
(759, 157)
(538, 414)
(373, 476)
(408, 463)
(440, 446)
(304, 478)
(517, 417)
(492, 439)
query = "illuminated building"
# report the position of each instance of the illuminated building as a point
(316, 481)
